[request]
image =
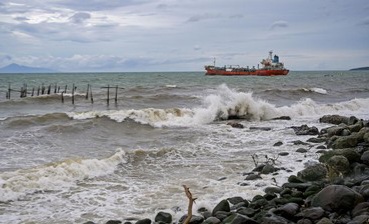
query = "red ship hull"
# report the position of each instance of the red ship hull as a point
(259, 72)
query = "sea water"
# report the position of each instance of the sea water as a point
(129, 159)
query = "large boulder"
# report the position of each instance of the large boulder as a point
(339, 163)
(305, 130)
(338, 119)
(222, 206)
(337, 198)
(346, 142)
(163, 217)
(238, 219)
(351, 154)
(313, 173)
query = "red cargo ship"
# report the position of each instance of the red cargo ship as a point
(271, 66)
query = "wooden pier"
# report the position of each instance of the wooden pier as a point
(42, 89)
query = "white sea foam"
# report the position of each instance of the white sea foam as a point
(225, 103)
(55, 176)
(316, 89)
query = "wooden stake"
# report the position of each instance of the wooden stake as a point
(88, 88)
(190, 204)
(108, 96)
(116, 94)
(92, 98)
(73, 94)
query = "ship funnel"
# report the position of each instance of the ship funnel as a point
(276, 59)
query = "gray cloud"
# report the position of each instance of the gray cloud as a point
(206, 16)
(80, 17)
(279, 24)
(98, 5)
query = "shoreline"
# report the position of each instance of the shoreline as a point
(333, 190)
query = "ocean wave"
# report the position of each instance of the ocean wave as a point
(224, 104)
(55, 176)
(299, 91)
(21, 121)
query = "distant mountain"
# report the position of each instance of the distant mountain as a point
(359, 69)
(15, 68)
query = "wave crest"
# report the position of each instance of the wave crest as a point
(55, 176)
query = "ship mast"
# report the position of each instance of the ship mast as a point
(270, 55)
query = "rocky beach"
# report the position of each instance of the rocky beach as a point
(332, 190)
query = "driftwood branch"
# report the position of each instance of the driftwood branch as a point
(190, 204)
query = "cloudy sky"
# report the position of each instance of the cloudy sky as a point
(183, 35)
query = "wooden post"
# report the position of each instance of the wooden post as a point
(9, 90)
(58, 89)
(73, 94)
(49, 89)
(65, 89)
(55, 87)
(116, 94)
(107, 100)
(62, 97)
(92, 98)
(42, 89)
(88, 88)
(33, 91)
(26, 91)
(38, 91)
(21, 92)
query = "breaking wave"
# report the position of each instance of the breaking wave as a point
(224, 104)
(55, 176)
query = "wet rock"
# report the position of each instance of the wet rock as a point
(278, 143)
(195, 219)
(314, 213)
(114, 222)
(253, 177)
(288, 210)
(313, 173)
(324, 221)
(351, 154)
(283, 154)
(144, 221)
(301, 150)
(305, 130)
(268, 168)
(235, 200)
(235, 125)
(271, 218)
(338, 119)
(361, 209)
(223, 205)
(339, 163)
(247, 211)
(238, 219)
(273, 190)
(163, 217)
(261, 128)
(345, 142)
(282, 118)
(365, 158)
(316, 140)
(212, 220)
(304, 221)
(337, 198)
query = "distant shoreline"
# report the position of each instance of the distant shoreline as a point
(360, 69)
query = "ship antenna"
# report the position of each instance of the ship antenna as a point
(214, 61)
(270, 55)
